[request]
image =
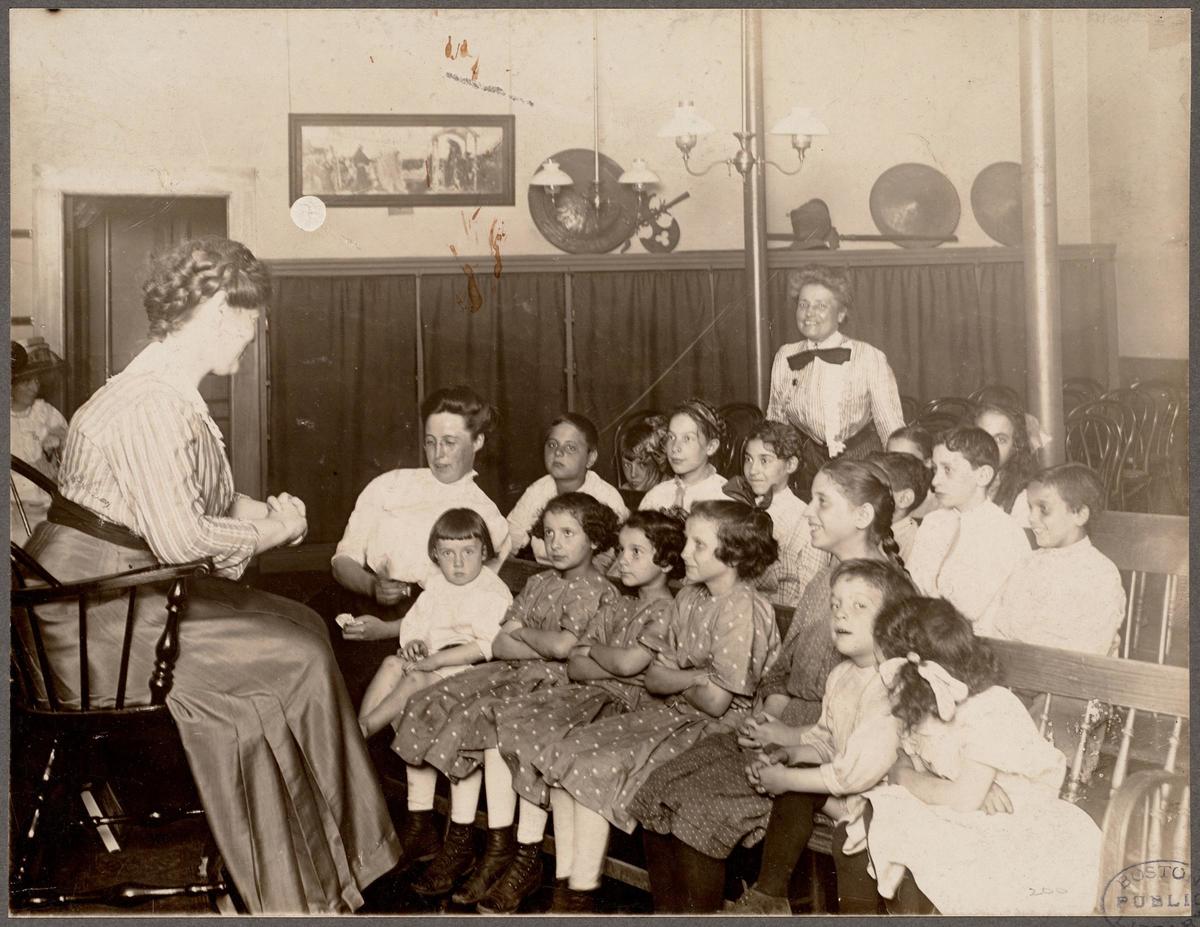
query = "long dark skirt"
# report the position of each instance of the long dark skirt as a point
(269, 732)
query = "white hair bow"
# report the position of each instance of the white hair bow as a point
(947, 690)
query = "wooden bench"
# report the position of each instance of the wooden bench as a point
(1145, 812)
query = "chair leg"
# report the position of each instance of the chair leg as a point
(47, 793)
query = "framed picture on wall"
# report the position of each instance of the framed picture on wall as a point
(387, 160)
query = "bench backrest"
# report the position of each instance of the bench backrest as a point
(1151, 551)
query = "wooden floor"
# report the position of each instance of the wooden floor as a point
(170, 853)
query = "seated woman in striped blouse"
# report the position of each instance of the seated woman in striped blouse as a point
(830, 387)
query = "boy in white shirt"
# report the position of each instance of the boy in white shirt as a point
(967, 549)
(1067, 594)
(570, 451)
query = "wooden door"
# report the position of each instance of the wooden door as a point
(108, 242)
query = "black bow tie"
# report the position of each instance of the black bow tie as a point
(829, 355)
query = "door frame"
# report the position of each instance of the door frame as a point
(238, 189)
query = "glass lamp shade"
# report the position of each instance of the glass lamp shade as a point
(686, 121)
(551, 175)
(800, 121)
(639, 175)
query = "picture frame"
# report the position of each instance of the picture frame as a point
(365, 160)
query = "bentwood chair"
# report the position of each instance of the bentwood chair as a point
(910, 407)
(1093, 389)
(1144, 413)
(80, 745)
(741, 418)
(624, 427)
(953, 406)
(1098, 441)
(998, 395)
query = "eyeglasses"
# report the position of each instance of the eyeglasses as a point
(803, 305)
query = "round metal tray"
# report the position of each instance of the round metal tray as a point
(915, 199)
(996, 202)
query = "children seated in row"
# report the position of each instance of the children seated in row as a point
(698, 807)
(966, 739)
(909, 479)
(569, 452)
(772, 455)
(608, 666)
(707, 665)
(719, 793)
(450, 626)
(1018, 462)
(966, 550)
(695, 431)
(450, 726)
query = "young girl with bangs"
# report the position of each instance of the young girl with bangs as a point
(700, 806)
(707, 664)
(450, 727)
(608, 666)
(963, 734)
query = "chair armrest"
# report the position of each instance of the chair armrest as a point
(33, 474)
(115, 582)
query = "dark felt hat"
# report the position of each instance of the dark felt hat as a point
(33, 360)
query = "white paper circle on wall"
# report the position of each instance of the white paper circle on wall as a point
(308, 212)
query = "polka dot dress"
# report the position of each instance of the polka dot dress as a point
(703, 796)
(451, 723)
(527, 725)
(603, 764)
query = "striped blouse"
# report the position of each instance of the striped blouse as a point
(144, 453)
(868, 392)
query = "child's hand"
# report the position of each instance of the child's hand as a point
(775, 755)
(415, 650)
(761, 729)
(996, 801)
(773, 779)
(367, 628)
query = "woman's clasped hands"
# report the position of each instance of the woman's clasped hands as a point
(291, 511)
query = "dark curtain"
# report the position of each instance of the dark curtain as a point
(1085, 288)
(343, 398)
(511, 350)
(650, 339)
(948, 329)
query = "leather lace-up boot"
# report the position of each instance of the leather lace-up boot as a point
(522, 878)
(455, 859)
(497, 854)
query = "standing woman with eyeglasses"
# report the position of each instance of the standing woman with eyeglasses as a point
(841, 393)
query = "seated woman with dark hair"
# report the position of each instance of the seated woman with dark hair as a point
(383, 552)
(270, 734)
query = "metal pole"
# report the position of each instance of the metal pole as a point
(569, 334)
(1043, 320)
(755, 200)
